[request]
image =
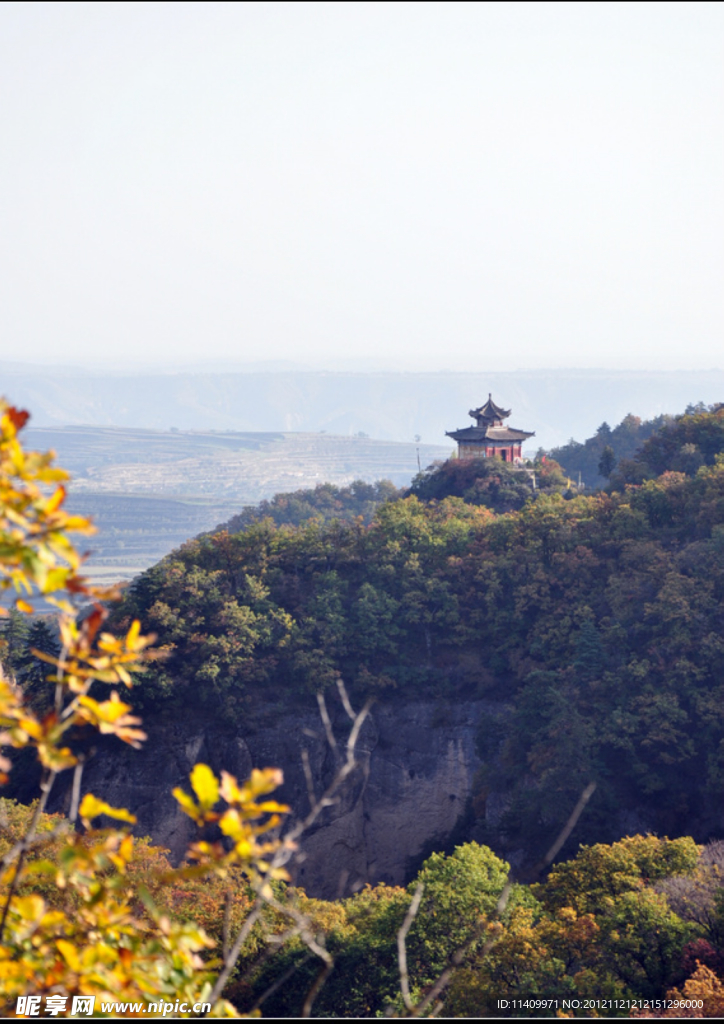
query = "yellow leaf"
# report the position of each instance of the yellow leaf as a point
(92, 807)
(109, 710)
(24, 606)
(186, 803)
(125, 850)
(133, 633)
(205, 785)
(69, 953)
(31, 727)
(79, 524)
(272, 807)
(230, 824)
(30, 908)
(56, 578)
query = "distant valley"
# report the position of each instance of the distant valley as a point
(149, 491)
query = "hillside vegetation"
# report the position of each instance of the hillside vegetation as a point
(638, 450)
(598, 618)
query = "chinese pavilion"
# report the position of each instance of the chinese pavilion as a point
(490, 438)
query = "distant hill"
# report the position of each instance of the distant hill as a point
(556, 404)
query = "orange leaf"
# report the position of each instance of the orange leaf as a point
(18, 417)
(56, 500)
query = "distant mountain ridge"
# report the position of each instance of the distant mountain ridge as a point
(556, 404)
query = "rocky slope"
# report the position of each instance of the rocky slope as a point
(414, 783)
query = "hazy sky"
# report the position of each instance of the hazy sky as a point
(418, 185)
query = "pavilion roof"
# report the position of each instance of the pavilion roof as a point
(490, 411)
(480, 434)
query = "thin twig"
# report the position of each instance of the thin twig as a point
(235, 950)
(461, 952)
(325, 800)
(357, 726)
(303, 927)
(75, 792)
(24, 843)
(401, 948)
(227, 922)
(308, 777)
(59, 680)
(274, 943)
(314, 990)
(281, 981)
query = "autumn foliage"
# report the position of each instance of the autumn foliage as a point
(76, 917)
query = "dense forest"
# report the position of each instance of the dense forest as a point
(595, 618)
(597, 458)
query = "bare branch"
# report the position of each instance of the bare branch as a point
(308, 777)
(281, 981)
(303, 927)
(75, 792)
(459, 955)
(284, 853)
(345, 699)
(567, 828)
(25, 844)
(227, 922)
(401, 948)
(357, 726)
(327, 723)
(230, 960)
(461, 952)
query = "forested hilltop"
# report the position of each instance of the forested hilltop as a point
(596, 618)
(684, 442)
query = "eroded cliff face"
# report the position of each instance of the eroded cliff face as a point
(416, 775)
